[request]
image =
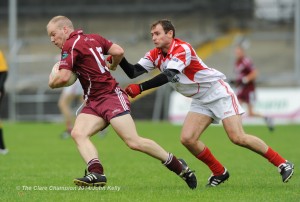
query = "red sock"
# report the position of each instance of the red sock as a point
(208, 158)
(173, 164)
(95, 166)
(274, 157)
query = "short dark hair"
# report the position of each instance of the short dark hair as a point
(166, 24)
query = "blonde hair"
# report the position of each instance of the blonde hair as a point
(61, 21)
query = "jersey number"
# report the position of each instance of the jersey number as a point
(99, 50)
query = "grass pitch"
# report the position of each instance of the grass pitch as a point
(40, 166)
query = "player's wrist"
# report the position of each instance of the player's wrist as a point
(141, 87)
(113, 67)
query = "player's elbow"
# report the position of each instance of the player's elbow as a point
(51, 85)
(116, 50)
(119, 52)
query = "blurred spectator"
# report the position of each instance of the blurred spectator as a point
(3, 76)
(246, 75)
(68, 96)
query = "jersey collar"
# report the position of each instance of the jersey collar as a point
(171, 47)
(76, 32)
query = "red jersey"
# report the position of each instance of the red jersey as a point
(84, 55)
(193, 75)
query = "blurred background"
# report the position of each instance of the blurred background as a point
(269, 28)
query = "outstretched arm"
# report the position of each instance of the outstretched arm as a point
(136, 70)
(132, 71)
(135, 89)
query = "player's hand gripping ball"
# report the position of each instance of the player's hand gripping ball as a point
(54, 73)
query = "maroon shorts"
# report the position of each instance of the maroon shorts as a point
(246, 95)
(108, 106)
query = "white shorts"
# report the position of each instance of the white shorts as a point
(74, 89)
(219, 102)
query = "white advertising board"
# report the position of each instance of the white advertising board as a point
(283, 104)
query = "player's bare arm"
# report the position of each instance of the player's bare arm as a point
(117, 53)
(60, 79)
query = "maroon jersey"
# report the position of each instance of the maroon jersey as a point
(84, 55)
(243, 67)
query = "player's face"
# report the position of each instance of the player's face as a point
(57, 35)
(161, 39)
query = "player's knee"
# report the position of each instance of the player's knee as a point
(76, 135)
(133, 144)
(186, 140)
(237, 140)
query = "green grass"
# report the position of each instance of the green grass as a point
(39, 159)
